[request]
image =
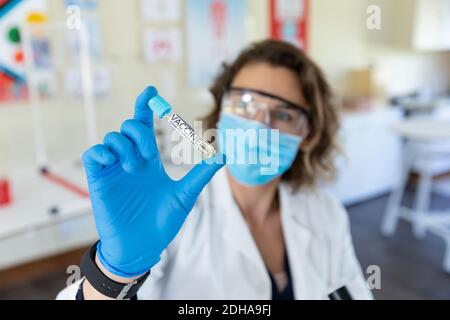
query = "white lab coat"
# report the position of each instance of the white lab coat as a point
(215, 257)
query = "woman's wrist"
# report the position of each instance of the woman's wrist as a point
(112, 276)
(89, 291)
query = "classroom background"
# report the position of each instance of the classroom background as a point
(71, 70)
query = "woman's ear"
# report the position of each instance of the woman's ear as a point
(303, 146)
(307, 144)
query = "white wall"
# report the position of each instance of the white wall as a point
(341, 40)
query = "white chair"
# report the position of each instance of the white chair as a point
(426, 151)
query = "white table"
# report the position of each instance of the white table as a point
(371, 161)
(427, 143)
(28, 231)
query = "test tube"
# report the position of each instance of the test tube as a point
(164, 111)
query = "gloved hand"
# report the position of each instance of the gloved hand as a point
(138, 208)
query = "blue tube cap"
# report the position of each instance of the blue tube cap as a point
(158, 104)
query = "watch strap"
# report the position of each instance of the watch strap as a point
(105, 285)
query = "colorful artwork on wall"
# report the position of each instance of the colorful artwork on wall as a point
(13, 13)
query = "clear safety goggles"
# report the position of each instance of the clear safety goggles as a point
(272, 110)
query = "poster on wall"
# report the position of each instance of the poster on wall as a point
(13, 13)
(215, 33)
(90, 17)
(158, 11)
(100, 73)
(289, 21)
(162, 45)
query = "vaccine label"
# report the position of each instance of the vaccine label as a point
(186, 130)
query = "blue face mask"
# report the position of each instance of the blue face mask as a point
(256, 154)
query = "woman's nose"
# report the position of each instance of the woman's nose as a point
(261, 116)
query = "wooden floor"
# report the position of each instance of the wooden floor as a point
(410, 268)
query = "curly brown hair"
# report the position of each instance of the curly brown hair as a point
(314, 161)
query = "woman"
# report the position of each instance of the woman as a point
(255, 232)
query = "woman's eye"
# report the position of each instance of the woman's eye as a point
(283, 116)
(242, 105)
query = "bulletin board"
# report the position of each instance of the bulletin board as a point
(289, 21)
(13, 13)
(163, 39)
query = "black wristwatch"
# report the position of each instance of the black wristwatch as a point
(105, 285)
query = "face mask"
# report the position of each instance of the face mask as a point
(256, 154)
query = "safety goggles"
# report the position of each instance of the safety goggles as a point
(272, 110)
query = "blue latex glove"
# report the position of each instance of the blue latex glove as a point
(138, 208)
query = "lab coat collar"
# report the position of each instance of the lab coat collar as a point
(297, 234)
